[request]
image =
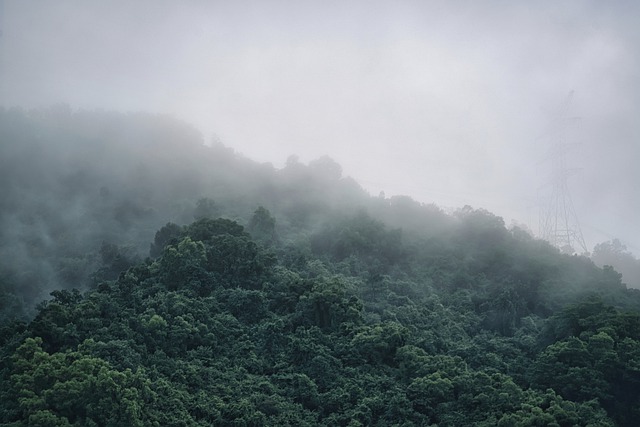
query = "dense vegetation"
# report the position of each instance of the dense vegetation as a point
(215, 291)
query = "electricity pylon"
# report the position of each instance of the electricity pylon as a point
(558, 219)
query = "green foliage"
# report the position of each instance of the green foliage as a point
(613, 253)
(166, 235)
(215, 333)
(206, 229)
(330, 308)
(594, 356)
(183, 264)
(72, 388)
(363, 237)
(262, 226)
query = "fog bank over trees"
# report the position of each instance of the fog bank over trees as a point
(86, 191)
(187, 285)
(289, 213)
(443, 101)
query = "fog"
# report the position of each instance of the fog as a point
(448, 102)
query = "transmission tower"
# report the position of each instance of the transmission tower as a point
(558, 219)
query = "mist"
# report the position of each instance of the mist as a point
(319, 212)
(447, 102)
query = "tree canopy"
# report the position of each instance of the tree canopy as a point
(232, 293)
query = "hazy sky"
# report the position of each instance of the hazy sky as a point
(446, 101)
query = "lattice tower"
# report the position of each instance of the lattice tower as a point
(558, 220)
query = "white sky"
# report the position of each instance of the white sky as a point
(441, 100)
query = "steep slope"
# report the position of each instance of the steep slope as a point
(294, 298)
(216, 331)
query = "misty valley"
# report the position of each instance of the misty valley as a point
(150, 279)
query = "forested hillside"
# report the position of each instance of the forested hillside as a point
(190, 286)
